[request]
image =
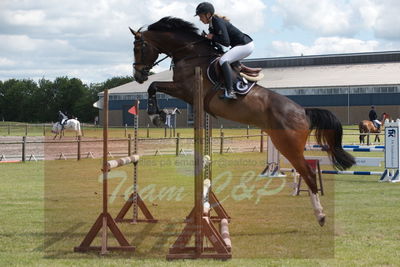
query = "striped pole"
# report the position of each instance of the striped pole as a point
(340, 172)
(308, 148)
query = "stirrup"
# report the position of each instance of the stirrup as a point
(230, 95)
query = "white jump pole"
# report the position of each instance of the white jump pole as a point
(273, 161)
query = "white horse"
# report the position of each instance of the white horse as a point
(70, 125)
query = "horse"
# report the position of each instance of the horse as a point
(70, 125)
(367, 126)
(286, 123)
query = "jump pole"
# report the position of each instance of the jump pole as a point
(104, 221)
(199, 224)
(391, 151)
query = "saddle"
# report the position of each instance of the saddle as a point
(243, 77)
(251, 74)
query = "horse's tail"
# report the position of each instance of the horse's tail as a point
(329, 133)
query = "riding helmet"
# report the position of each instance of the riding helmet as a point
(204, 8)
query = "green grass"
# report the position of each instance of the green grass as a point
(48, 207)
(21, 129)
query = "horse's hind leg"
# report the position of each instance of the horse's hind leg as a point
(291, 144)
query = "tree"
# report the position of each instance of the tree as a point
(28, 101)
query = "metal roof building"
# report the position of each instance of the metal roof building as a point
(347, 84)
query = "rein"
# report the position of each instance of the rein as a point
(147, 68)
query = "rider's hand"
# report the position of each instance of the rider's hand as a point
(209, 36)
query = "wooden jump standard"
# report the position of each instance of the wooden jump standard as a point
(199, 223)
(105, 221)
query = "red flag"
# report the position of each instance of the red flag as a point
(134, 110)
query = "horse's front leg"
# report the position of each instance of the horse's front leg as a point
(377, 139)
(156, 116)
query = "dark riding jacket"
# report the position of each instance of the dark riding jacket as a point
(372, 115)
(226, 34)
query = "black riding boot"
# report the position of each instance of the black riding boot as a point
(227, 71)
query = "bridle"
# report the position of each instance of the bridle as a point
(146, 70)
(142, 43)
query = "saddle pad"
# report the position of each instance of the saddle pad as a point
(240, 85)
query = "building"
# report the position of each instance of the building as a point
(346, 84)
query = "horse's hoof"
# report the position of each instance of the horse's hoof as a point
(321, 220)
(155, 119)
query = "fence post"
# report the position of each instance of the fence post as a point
(9, 129)
(221, 148)
(129, 144)
(247, 131)
(148, 131)
(44, 129)
(165, 131)
(126, 129)
(26, 129)
(23, 148)
(178, 136)
(79, 148)
(262, 142)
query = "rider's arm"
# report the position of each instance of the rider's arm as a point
(220, 32)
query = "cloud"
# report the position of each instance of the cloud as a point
(328, 17)
(25, 17)
(5, 62)
(324, 45)
(342, 18)
(90, 39)
(56, 38)
(247, 15)
(382, 16)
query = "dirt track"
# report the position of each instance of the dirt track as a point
(49, 149)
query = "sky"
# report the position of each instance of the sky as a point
(90, 40)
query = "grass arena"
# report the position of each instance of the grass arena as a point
(48, 207)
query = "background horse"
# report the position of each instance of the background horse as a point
(367, 126)
(287, 123)
(70, 125)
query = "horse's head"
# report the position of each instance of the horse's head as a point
(145, 56)
(385, 117)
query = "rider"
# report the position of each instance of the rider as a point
(224, 33)
(374, 118)
(62, 118)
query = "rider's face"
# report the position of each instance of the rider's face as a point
(205, 18)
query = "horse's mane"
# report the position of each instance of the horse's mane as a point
(172, 24)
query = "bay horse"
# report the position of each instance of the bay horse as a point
(70, 125)
(287, 123)
(367, 126)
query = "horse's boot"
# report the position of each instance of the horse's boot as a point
(227, 71)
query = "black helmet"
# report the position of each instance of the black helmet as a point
(204, 8)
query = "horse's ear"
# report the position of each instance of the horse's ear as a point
(132, 31)
(136, 34)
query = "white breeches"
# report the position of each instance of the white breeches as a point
(237, 53)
